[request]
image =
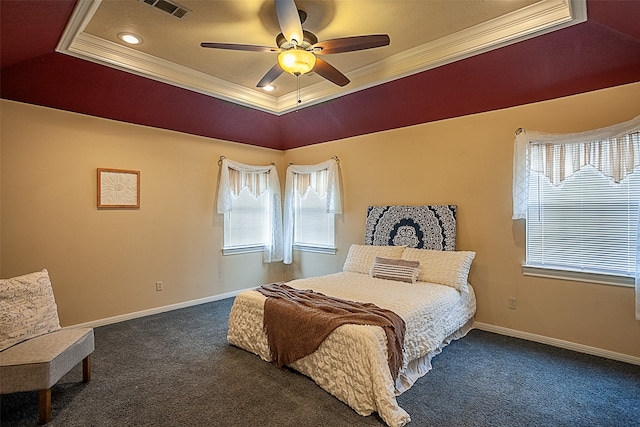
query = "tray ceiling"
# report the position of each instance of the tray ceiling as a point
(424, 35)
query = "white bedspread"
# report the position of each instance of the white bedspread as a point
(351, 363)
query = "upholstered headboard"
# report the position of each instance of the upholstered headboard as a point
(422, 227)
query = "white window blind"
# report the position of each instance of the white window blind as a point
(313, 225)
(247, 224)
(588, 223)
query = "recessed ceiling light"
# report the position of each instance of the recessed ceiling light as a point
(130, 38)
(269, 88)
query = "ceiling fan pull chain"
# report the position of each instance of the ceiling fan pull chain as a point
(299, 101)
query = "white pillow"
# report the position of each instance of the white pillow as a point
(27, 308)
(360, 258)
(449, 268)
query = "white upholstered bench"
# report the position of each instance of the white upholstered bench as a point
(35, 351)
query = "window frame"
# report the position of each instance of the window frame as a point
(567, 273)
(578, 276)
(334, 203)
(259, 180)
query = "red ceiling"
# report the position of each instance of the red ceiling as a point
(602, 52)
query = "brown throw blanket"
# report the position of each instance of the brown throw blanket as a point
(297, 321)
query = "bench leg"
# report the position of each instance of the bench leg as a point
(45, 395)
(45, 406)
(86, 369)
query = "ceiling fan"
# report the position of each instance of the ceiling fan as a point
(298, 48)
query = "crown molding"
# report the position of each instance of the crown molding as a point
(531, 21)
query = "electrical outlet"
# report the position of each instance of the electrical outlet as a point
(511, 303)
(159, 287)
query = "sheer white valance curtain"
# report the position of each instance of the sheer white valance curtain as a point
(322, 178)
(234, 177)
(613, 150)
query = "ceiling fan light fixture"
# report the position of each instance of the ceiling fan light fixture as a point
(297, 61)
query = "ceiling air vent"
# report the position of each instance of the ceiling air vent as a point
(168, 7)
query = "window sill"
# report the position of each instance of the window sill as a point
(579, 276)
(315, 249)
(242, 250)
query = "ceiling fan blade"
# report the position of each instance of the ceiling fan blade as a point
(329, 72)
(289, 20)
(350, 44)
(271, 75)
(245, 47)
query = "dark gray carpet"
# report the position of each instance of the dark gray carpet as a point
(176, 369)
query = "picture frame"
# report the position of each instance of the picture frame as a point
(118, 189)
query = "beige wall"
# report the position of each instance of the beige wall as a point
(467, 161)
(105, 263)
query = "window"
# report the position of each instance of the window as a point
(587, 224)
(313, 225)
(580, 195)
(312, 199)
(250, 199)
(246, 225)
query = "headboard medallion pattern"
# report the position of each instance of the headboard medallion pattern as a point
(421, 227)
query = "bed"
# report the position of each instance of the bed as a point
(436, 303)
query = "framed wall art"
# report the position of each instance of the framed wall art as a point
(118, 189)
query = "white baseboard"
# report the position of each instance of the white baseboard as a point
(156, 310)
(558, 343)
(477, 325)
